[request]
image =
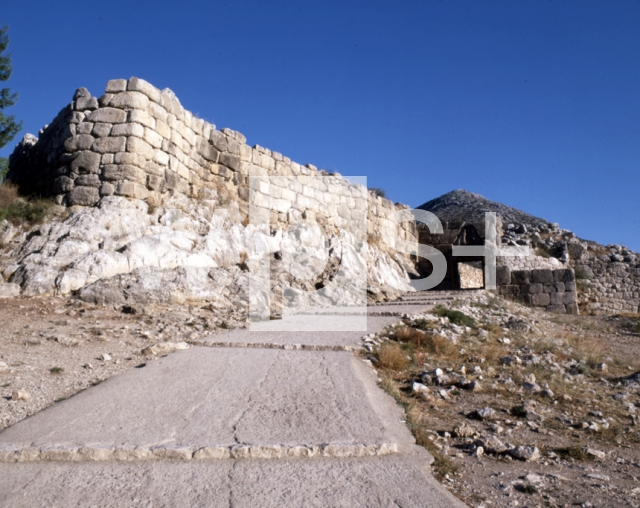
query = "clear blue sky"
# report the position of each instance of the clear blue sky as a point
(532, 103)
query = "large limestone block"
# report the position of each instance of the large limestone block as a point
(207, 150)
(80, 142)
(140, 85)
(503, 275)
(520, 277)
(101, 129)
(86, 162)
(116, 85)
(129, 158)
(107, 189)
(471, 275)
(62, 185)
(231, 161)
(108, 115)
(130, 100)
(140, 147)
(140, 191)
(91, 180)
(109, 145)
(158, 112)
(153, 168)
(542, 276)
(84, 196)
(161, 157)
(540, 299)
(564, 275)
(128, 129)
(163, 129)
(117, 172)
(175, 182)
(189, 136)
(152, 137)
(138, 116)
(155, 183)
(85, 103)
(126, 189)
(196, 125)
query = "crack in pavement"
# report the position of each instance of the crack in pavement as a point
(248, 407)
(334, 391)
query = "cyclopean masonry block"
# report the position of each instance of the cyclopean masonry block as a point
(537, 288)
(139, 142)
(471, 275)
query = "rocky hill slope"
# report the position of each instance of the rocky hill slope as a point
(461, 205)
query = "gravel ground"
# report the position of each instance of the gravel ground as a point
(52, 348)
(542, 375)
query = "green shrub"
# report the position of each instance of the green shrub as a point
(16, 209)
(455, 316)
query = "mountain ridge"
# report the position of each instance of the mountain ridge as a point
(461, 205)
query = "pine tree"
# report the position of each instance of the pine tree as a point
(8, 126)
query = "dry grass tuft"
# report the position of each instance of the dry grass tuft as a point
(573, 452)
(391, 356)
(441, 465)
(17, 209)
(8, 194)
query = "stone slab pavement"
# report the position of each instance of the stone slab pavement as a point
(225, 427)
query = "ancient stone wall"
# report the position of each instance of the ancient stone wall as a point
(139, 142)
(555, 290)
(608, 285)
(531, 262)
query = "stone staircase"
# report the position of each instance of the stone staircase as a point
(418, 301)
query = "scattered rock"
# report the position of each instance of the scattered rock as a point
(20, 395)
(4, 367)
(597, 476)
(473, 386)
(164, 348)
(510, 360)
(464, 430)
(420, 390)
(8, 290)
(67, 341)
(485, 413)
(492, 444)
(526, 453)
(595, 453)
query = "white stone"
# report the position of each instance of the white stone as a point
(137, 84)
(129, 100)
(116, 85)
(9, 290)
(21, 395)
(527, 453)
(164, 348)
(136, 115)
(128, 129)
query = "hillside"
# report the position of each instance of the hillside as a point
(461, 205)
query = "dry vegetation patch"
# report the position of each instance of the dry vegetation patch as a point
(562, 385)
(17, 209)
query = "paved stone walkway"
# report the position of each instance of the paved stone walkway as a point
(254, 421)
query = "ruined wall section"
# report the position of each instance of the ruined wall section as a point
(553, 290)
(139, 142)
(609, 284)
